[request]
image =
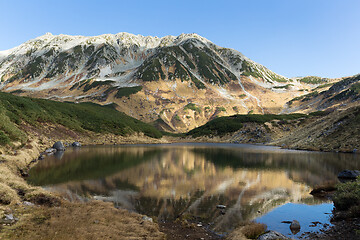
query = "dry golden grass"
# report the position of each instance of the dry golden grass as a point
(92, 220)
(52, 218)
(249, 230)
(253, 230)
(8, 195)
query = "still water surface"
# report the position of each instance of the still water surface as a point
(260, 183)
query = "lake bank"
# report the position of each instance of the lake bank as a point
(31, 152)
(32, 208)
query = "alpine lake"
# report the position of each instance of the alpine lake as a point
(217, 185)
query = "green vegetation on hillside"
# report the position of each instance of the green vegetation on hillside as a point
(323, 86)
(224, 125)
(208, 68)
(313, 80)
(15, 110)
(249, 71)
(151, 70)
(193, 107)
(353, 92)
(96, 84)
(304, 98)
(127, 91)
(355, 87)
(197, 82)
(287, 86)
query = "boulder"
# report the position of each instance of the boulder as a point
(295, 227)
(9, 219)
(59, 146)
(221, 206)
(349, 174)
(146, 218)
(271, 235)
(76, 144)
(26, 203)
(50, 151)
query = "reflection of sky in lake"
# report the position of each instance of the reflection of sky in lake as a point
(304, 214)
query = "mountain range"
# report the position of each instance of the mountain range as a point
(176, 82)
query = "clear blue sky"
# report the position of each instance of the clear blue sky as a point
(290, 37)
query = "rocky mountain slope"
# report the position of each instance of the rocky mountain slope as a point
(342, 94)
(179, 82)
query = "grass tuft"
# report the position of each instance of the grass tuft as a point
(347, 197)
(253, 230)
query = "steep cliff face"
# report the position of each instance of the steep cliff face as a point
(180, 82)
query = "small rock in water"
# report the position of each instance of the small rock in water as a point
(76, 144)
(221, 206)
(59, 146)
(271, 235)
(288, 222)
(316, 223)
(295, 227)
(50, 151)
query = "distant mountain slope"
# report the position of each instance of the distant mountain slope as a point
(331, 130)
(342, 94)
(150, 78)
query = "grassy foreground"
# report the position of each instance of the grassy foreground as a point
(347, 198)
(27, 127)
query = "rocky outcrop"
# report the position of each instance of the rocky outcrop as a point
(272, 235)
(349, 174)
(76, 144)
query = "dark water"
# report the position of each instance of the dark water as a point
(265, 184)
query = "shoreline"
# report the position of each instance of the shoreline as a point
(24, 202)
(28, 157)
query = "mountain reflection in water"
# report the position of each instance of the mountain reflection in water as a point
(170, 180)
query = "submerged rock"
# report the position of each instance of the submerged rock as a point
(349, 174)
(76, 144)
(59, 146)
(50, 151)
(272, 235)
(295, 227)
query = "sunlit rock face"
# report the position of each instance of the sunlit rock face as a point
(170, 181)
